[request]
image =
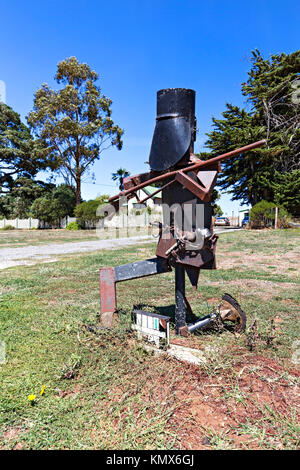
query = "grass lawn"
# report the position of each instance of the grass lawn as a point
(103, 390)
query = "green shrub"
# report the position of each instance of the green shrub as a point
(72, 226)
(8, 227)
(52, 207)
(86, 212)
(263, 215)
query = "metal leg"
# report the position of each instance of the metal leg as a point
(110, 276)
(180, 305)
(108, 302)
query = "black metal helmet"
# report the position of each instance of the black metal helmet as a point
(174, 131)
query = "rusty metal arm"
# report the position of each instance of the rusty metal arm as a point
(196, 166)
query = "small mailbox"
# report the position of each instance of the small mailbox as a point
(153, 327)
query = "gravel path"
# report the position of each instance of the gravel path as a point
(46, 253)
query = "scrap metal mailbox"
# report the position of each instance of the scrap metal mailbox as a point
(152, 326)
(187, 241)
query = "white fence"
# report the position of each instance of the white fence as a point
(118, 221)
(33, 223)
(20, 223)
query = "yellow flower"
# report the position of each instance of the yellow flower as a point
(43, 390)
(31, 398)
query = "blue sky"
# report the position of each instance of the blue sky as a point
(138, 47)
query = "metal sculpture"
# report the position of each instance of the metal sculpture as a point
(187, 241)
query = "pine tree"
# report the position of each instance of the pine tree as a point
(272, 93)
(20, 155)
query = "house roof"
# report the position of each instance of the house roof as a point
(149, 190)
(245, 210)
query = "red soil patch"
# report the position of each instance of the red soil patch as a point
(210, 402)
(11, 435)
(218, 403)
(205, 401)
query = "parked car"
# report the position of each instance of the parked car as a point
(245, 221)
(222, 221)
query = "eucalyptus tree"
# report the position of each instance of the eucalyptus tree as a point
(74, 121)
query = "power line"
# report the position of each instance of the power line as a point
(97, 184)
